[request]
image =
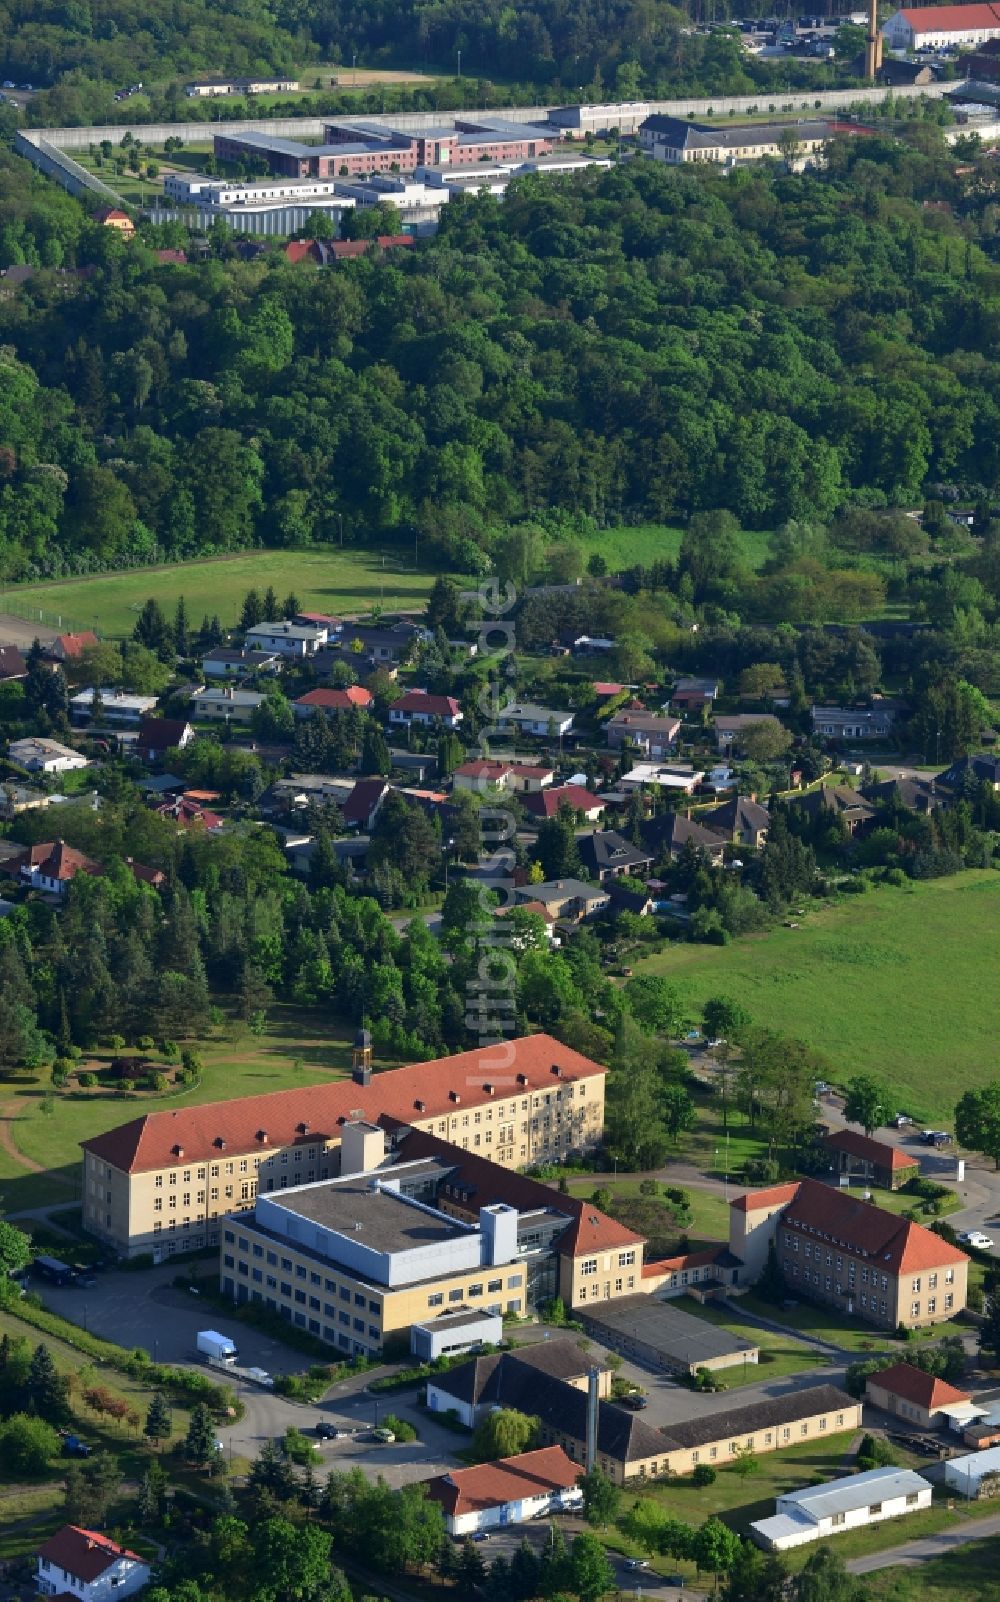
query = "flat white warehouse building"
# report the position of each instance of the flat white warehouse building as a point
(849, 1504)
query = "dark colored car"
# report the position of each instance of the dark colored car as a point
(326, 1432)
(633, 1401)
(74, 1447)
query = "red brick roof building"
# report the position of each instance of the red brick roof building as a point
(509, 1491)
(333, 701)
(913, 1394)
(546, 803)
(86, 1565)
(67, 646)
(871, 1161)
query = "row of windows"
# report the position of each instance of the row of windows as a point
(595, 1291)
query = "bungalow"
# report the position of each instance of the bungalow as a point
(157, 736)
(286, 639)
(364, 802)
(742, 820)
(90, 1567)
(354, 698)
(870, 1162)
(114, 706)
(531, 718)
(669, 833)
(521, 778)
(417, 706)
(67, 646)
(730, 730)
(385, 647)
(853, 723)
(546, 803)
(920, 1398)
(509, 1491)
(18, 798)
(606, 854)
(228, 705)
(678, 776)
(653, 735)
(836, 801)
(569, 900)
(40, 755)
(226, 663)
(853, 1503)
(917, 795)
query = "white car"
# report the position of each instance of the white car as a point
(975, 1237)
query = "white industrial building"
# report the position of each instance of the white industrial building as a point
(955, 27)
(451, 1333)
(966, 1474)
(853, 1503)
(192, 188)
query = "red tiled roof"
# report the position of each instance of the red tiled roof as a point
(510, 1479)
(153, 876)
(343, 249)
(301, 250)
(84, 1553)
(952, 19)
(877, 1152)
(56, 860)
(177, 258)
(437, 706)
(148, 1142)
(185, 812)
(528, 906)
(546, 803)
(337, 700)
(672, 1265)
(773, 1196)
(914, 1385)
(74, 644)
(601, 688)
(898, 1244)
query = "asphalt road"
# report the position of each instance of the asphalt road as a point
(930, 1546)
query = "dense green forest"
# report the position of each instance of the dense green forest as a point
(635, 344)
(82, 50)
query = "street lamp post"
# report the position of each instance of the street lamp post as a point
(460, 63)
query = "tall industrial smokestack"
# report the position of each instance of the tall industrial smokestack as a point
(873, 45)
(593, 1402)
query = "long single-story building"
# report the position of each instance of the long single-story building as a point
(492, 1496)
(660, 1336)
(853, 1503)
(917, 1396)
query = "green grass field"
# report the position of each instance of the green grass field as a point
(658, 542)
(780, 1355)
(324, 581)
(904, 983)
(242, 1067)
(971, 1575)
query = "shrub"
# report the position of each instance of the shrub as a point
(874, 1452)
(27, 1445)
(298, 1449)
(87, 1081)
(401, 1427)
(703, 1475)
(145, 1042)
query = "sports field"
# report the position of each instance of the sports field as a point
(324, 581)
(905, 983)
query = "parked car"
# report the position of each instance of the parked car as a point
(902, 1120)
(327, 1432)
(637, 1563)
(73, 1447)
(480, 1535)
(976, 1238)
(634, 1401)
(383, 1437)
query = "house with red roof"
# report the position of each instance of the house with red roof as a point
(510, 1491)
(545, 803)
(871, 1162)
(112, 217)
(333, 701)
(418, 706)
(51, 866)
(920, 27)
(920, 1398)
(89, 1566)
(848, 1254)
(189, 812)
(521, 778)
(66, 647)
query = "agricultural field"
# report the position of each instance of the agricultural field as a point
(39, 1138)
(324, 581)
(837, 983)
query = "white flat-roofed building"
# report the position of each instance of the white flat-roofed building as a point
(41, 755)
(187, 189)
(852, 1503)
(114, 706)
(533, 719)
(287, 639)
(455, 1332)
(665, 778)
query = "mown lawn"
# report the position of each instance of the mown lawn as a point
(236, 1066)
(659, 542)
(324, 581)
(780, 1355)
(904, 983)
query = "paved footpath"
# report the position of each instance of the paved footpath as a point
(931, 1546)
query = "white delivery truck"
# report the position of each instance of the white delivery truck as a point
(216, 1348)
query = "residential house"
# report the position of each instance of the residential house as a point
(836, 801)
(51, 866)
(18, 798)
(159, 785)
(189, 811)
(351, 853)
(417, 706)
(117, 707)
(286, 639)
(679, 776)
(589, 644)
(624, 898)
(856, 1502)
(870, 1162)
(742, 820)
(606, 855)
(569, 900)
(157, 736)
(853, 723)
(287, 795)
(364, 803)
(12, 663)
(530, 718)
(112, 217)
(730, 730)
(228, 705)
(982, 768)
(669, 833)
(65, 647)
(521, 778)
(917, 795)
(849, 1254)
(40, 755)
(88, 1566)
(509, 1491)
(541, 804)
(333, 625)
(654, 736)
(354, 698)
(223, 662)
(920, 1398)
(693, 695)
(413, 765)
(379, 644)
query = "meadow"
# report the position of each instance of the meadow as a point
(324, 580)
(647, 543)
(902, 982)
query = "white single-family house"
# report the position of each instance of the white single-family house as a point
(91, 1567)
